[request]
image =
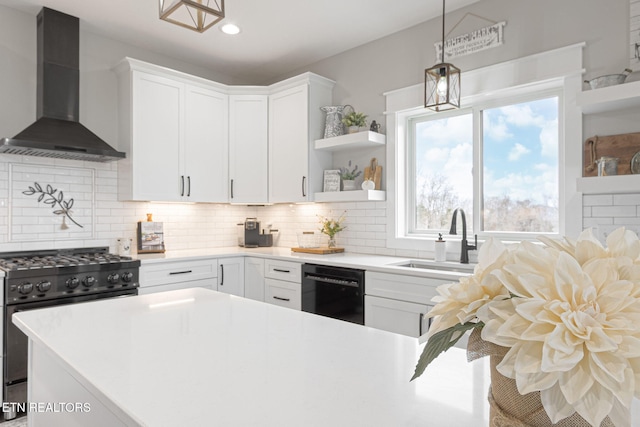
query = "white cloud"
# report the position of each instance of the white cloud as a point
(521, 115)
(549, 139)
(518, 151)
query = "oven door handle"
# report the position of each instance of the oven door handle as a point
(332, 281)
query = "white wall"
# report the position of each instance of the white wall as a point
(362, 75)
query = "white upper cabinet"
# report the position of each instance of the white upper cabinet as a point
(248, 148)
(205, 145)
(295, 122)
(154, 152)
(175, 133)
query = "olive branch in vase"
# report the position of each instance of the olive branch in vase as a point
(49, 197)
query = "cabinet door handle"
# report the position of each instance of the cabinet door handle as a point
(180, 272)
(232, 188)
(281, 299)
(221, 274)
(188, 186)
(181, 185)
(281, 271)
(304, 181)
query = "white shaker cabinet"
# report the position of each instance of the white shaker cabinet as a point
(151, 134)
(248, 148)
(205, 145)
(173, 275)
(397, 303)
(174, 129)
(231, 276)
(254, 278)
(295, 121)
(283, 283)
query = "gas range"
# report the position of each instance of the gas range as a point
(40, 279)
(43, 275)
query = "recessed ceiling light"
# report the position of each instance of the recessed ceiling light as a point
(230, 29)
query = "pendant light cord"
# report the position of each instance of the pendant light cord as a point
(443, 1)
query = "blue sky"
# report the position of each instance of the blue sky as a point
(520, 152)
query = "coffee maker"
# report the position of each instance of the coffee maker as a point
(251, 233)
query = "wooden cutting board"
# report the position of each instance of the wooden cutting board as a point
(318, 251)
(373, 172)
(623, 146)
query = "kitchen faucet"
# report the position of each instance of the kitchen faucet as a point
(464, 246)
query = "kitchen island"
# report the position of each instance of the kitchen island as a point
(196, 357)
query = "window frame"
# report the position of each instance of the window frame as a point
(476, 109)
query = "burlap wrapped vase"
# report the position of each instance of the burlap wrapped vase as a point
(509, 408)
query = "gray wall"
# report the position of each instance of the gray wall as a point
(98, 95)
(398, 61)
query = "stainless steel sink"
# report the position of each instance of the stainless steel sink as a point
(426, 265)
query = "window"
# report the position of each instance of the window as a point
(497, 161)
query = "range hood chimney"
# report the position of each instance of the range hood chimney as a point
(57, 132)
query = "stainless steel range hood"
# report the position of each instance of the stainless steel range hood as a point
(57, 132)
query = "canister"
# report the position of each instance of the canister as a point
(607, 166)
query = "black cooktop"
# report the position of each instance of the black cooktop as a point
(31, 260)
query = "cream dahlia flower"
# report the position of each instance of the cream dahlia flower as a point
(569, 314)
(459, 302)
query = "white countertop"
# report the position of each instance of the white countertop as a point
(214, 359)
(379, 263)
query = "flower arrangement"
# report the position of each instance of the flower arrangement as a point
(348, 173)
(331, 227)
(567, 312)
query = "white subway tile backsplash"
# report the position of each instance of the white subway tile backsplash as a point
(613, 211)
(26, 224)
(597, 200)
(626, 199)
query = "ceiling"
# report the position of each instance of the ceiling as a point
(276, 37)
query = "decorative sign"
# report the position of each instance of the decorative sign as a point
(331, 180)
(150, 237)
(475, 41)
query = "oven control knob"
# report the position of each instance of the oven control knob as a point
(25, 288)
(72, 283)
(43, 286)
(113, 278)
(89, 281)
(127, 276)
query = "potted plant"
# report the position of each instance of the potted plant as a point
(348, 176)
(354, 121)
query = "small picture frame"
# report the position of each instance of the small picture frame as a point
(150, 237)
(331, 180)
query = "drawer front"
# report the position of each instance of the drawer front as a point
(419, 290)
(283, 270)
(406, 318)
(176, 272)
(206, 283)
(284, 294)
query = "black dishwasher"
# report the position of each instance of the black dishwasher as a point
(335, 292)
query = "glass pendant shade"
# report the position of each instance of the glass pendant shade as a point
(197, 15)
(442, 87)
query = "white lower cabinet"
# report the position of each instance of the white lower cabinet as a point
(173, 275)
(283, 283)
(231, 276)
(284, 294)
(398, 303)
(254, 278)
(401, 317)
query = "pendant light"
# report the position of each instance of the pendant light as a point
(442, 82)
(196, 15)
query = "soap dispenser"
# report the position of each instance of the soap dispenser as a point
(441, 249)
